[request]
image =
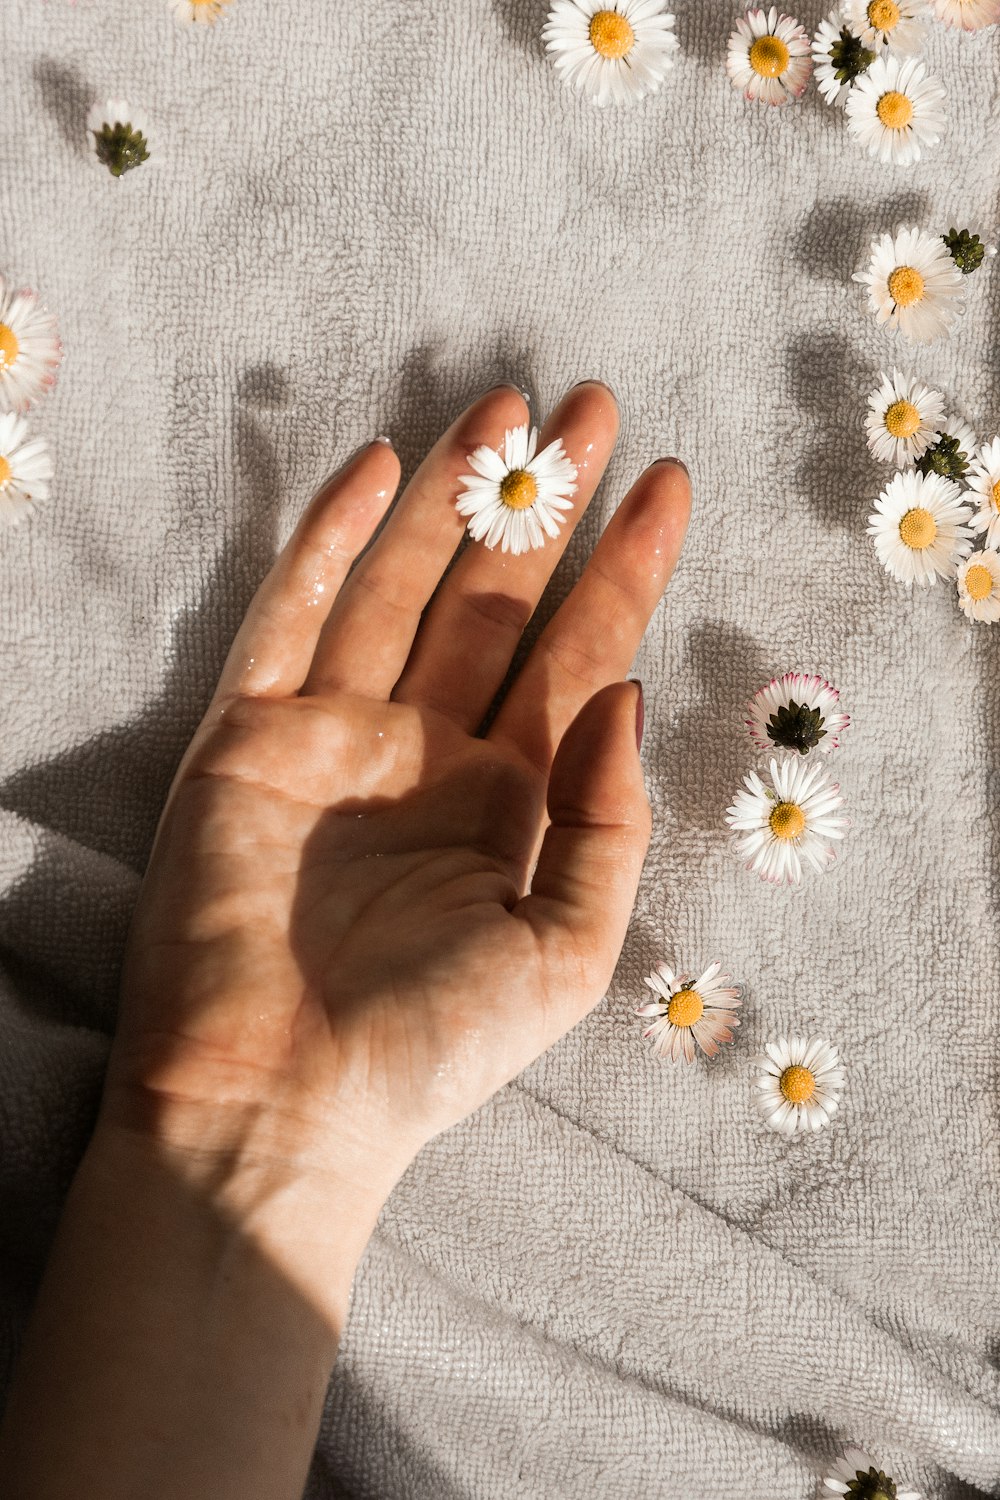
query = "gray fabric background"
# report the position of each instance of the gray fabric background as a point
(611, 1281)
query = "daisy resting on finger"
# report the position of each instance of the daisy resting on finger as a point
(517, 499)
(690, 1011)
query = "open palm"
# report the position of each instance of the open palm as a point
(360, 916)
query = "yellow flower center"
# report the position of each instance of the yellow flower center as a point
(611, 34)
(769, 56)
(5, 475)
(917, 529)
(10, 346)
(894, 110)
(518, 489)
(995, 494)
(797, 1084)
(883, 15)
(978, 582)
(787, 820)
(906, 286)
(685, 1008)
(902, 419)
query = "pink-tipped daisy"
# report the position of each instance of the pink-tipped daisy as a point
(690, 1010)
(785, 821)
(899, 26)
(983, 480)
(799, 1083)
(798, 711)
(198, 12)
(858, 1476)
(768, 57)
(25, 470)
(967, 15)
(30, 350)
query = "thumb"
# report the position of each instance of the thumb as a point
(584, 886)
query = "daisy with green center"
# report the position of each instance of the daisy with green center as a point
(978, 580)
(967, 15)
(951, 453)
(967, 250)
(798, 711)
(913, 284)
(859, 1476)
(198, 12)
(786, 822)
(517, 498)
(895, 110)
(768, 57)
(919, 527)
(690, 1011)
(799, 1083)
(983, 480)
(904, 418)
(25, 470)
(839, 57)
(121, 136)
(899, 26)
(30, 350)
(614, 51)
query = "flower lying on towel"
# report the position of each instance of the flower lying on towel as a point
(768, 57)
(120, 134)
(517, 498)
(205, 12)
(799, 1084)
(839, 57)
(969, 15)
(951, 453)
(30, 350)
(967, 250)
(894, 109)
(614, 51)
(690, 1010)
(787, 820)
(25, 470)
(899, 26)
(984, 486)
(904, 419)
(913, 284)
(859, 1476)
(919, 527)
(978, 582)
(798, 711)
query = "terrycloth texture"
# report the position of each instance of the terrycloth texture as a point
(612, 1281)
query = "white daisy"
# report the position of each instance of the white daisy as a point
(913, 284)
(121, 135)
(858, 1475)
(788, 820)
(207, 12)
(25, 470)
(799, 1084)
(895, 110)
(614, 51)
(799, 712)
(30, 350)
(768, 57)
(919, 527)
(904, 418)
(516, 498)
(978, 580)
(969, 15)
(898, 25)
(983, 480)
(838, 57)
(952, 452)
(690, 1010)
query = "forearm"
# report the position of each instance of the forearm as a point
(185, 1329)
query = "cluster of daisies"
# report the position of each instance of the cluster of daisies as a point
(947, 486)
(30, 353)
(784, 822)
(866, 58)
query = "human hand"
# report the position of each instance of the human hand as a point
(340, 948)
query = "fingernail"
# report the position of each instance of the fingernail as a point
(507, 385)
(593, 380)
(678, 461)
(380, 439)
(640, 713)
